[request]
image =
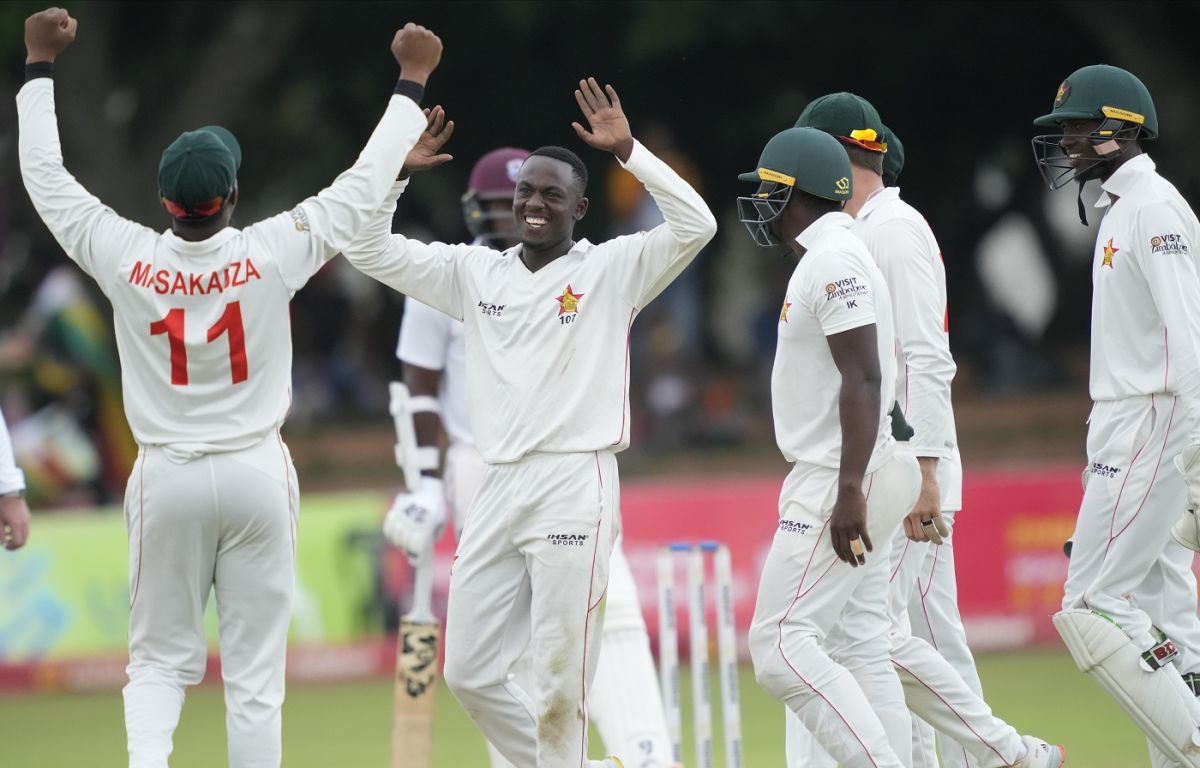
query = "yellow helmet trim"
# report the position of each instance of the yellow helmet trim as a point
(766, 174)
(1123, 114)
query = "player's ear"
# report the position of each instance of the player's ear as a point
(233, 197)
(581, 208)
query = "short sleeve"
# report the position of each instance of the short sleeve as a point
(839, 290)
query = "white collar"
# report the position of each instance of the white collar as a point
(1124, 179)
(814, 231)
(878, 198)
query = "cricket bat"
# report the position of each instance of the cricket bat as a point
(416, 675)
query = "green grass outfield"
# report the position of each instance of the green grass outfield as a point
(336, 725)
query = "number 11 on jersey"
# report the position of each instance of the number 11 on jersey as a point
(230, 321)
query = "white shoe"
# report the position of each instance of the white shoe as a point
(1187, 530)
(1039, 754)
(612, 761)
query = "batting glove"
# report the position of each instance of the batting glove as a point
(416, 520)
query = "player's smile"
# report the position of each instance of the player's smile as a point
(545, 203)
(1076, 143)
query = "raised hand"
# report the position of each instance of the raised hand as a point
(418, 52)
(426, 153)
(609, 126)
(47, 34)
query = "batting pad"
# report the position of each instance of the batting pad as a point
(1159, 702)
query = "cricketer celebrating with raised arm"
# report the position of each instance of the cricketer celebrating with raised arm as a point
(201, 315)
(1145, 421)
(546, 327)
(624, 699)
(831, 391)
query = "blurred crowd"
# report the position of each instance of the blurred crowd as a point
(1017, 266)
(700, 353)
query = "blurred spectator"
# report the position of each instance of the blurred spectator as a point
(74, 436)
(665, 353)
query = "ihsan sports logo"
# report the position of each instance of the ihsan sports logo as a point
(1168, 244)
(791, 526)
(1104, 470)
(567, 539)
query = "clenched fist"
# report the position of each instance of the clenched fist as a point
(418, 52)
(47, 34)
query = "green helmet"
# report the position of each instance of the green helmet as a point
(1101, 91)
(799, 158)
(893, 161)
(1122, 108)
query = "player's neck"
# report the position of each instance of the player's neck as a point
(196, 231)
(866, 184)
(1128, 153)
(535, 258)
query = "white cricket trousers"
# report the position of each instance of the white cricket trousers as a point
(803, 592)
(1132, 496)
(624, 701)
(226, 523)
(929, 654)
(530, 573)
(924, 599)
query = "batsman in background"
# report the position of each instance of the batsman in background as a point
(201, 315)
(624, 699)
(546, 328)
(1143, 439)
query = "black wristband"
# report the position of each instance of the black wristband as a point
(411, 89)
(36, 69)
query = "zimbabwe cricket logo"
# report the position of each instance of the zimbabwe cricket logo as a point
(568, 305)
(783, 312)
(1061, 96)
(416, 664)
(1108, 254)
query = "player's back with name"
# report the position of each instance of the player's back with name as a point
(204, 337)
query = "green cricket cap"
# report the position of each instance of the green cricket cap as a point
(197, 171)
(1099, 91)
(852, 119)
(807, 159)
(893, 161)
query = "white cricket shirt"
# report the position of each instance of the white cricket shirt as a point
(547, 351)
(434, 340)
(836, 287)
(1146, 292)
(906, 252)
(202, 328)
(11, 478)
